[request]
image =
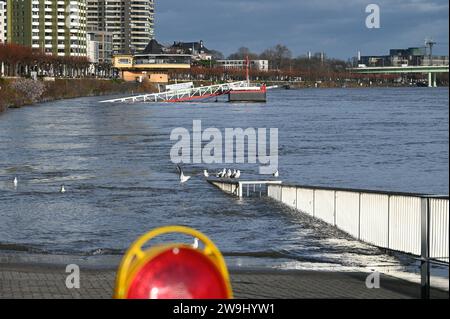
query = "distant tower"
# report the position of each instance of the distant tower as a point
(429, 43)
(359, 56)
(309, 55)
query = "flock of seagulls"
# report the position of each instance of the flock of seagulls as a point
(224, 173)
(227, 173)
(16, 183)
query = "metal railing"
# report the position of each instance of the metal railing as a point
(416, 224)
(385, 219)
(182, 94)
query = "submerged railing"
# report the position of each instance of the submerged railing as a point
(415, 224)
(411, 223)
(243, 188)
(385, 219)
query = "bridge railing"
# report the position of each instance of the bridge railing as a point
(181, 94)
(388, 220)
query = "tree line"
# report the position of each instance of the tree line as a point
(18, 60)
(283, 66)
(281, 58)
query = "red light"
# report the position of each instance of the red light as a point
(178, 273)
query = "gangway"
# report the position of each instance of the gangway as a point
(188, 94)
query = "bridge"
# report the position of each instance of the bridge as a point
(186, 94)
(432, 70)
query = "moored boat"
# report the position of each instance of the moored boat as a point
(248, 93)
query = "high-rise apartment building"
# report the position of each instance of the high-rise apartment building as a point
(55, 27)
(130, 22)
(3, 24)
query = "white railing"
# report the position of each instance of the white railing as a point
(409, 223)
(395, 221)
(182, 94)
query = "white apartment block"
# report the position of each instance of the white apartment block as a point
(260, 65)
(55, 27)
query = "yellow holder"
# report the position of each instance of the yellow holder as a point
(135, 257)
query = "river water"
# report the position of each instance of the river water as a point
(114, 162)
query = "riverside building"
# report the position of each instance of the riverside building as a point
(55, 27)
(130, 23)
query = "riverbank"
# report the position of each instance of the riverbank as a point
(18, 92)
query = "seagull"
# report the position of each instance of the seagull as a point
(195, 244)
(238, 174)
(221, 173)
(205, 173)
(63, 189)
(183, 178)
(233, 174)
(228, 173)
(15, 182)
(276, 174)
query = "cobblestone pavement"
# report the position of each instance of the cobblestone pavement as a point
(40, 282)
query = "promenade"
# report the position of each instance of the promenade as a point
(39, 281)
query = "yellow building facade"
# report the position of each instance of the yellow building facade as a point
(153, 68)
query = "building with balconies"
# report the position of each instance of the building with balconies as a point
(56, 27)
(131, 23)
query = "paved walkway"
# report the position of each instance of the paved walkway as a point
(25, 281)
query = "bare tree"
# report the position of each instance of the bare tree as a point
(217, 55)
(242, 54)
(279, 57)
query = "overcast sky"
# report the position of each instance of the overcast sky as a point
(334, 26)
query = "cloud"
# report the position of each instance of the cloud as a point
(334, 26)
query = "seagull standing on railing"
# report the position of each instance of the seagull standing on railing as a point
(228, 173)
(276, 174)
(183, 178)
(238, 174)
(221, 173)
